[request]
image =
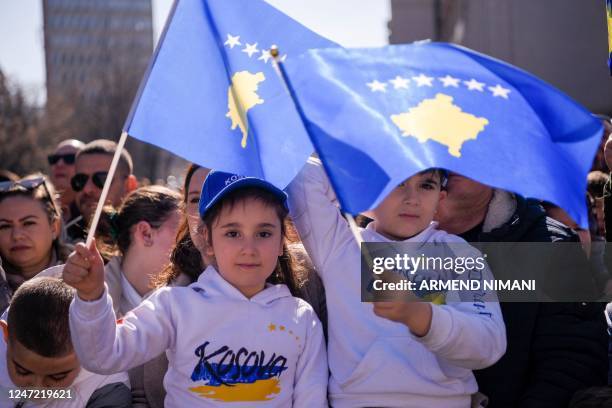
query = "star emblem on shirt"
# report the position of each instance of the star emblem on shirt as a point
(473, 84)
(232, 41)
(400, 82)
(449, 81)
(500, 91)
(377, 86)
(423, 80)
(250, 49)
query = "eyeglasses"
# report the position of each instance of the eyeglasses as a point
(79, 180)
(67, 158)
(29, 185)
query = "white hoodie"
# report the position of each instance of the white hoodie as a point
(221, 346)
(374, 361)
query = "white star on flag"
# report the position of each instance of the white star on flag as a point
(449, 81)
(283, 58)
(377, 86)
(498, 90)
(265, 56)
(473, 84)
(423, 80)
(400, 82)
(250, 49)
(232, 41)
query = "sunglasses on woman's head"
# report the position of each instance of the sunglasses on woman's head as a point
(25, 184)
(28, 185)
(67, 158)
(80, 179)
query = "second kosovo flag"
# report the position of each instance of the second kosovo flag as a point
(377, 116)
(211, 94)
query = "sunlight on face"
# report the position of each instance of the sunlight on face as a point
(26, 235)
(246, 243)
(410, 207)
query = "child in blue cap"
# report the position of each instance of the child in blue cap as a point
(236, 334)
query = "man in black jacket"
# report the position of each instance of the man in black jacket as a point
(554, 349)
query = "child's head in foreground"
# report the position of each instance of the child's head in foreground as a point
(243, 231)
(39, 351)
(411, 206)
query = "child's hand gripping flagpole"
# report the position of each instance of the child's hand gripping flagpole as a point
(365, 253)
(107, 184)
(349, 217)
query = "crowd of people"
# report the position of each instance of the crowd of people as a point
(233, 291)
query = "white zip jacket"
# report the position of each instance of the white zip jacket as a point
(221, 346)
(374, 361)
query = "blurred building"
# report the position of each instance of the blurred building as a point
(562, 41)
(96, 52)
(83, 38)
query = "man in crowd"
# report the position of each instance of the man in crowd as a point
(61, 163)
(92, 165)
(554, 349)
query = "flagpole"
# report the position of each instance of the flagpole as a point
(280, 70)
(107, 184)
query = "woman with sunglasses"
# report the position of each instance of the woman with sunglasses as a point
(29, 229)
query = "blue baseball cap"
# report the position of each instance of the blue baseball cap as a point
(218, 184)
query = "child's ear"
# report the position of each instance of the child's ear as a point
(4, 330)
(443, 194)
(205, 243)
(144, 232)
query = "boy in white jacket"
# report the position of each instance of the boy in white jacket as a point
(392, 354)
(233, 336)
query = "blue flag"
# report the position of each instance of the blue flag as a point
(378, 116)
(185, 103)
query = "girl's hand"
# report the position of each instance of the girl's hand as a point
(84, 271)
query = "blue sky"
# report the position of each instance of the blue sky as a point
(352, 23)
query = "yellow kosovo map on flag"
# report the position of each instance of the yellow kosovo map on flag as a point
(242, 96)
(438, 119)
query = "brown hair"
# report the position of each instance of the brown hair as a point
(38, 316)
(49, 200)
(153, 204)
(108, 147)
(285, 271)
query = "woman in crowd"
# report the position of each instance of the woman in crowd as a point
(186, 261)
(30, 221)
(138, 238)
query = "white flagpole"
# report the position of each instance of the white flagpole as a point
(107, 184)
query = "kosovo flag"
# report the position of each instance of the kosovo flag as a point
(378, 116)
(211, 94)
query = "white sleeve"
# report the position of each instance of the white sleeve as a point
(106, 346)
(310, 388)
(316, 215)
(471, 335)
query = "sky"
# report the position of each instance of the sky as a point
(351, 23)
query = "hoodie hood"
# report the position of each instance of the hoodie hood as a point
(212, 284)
